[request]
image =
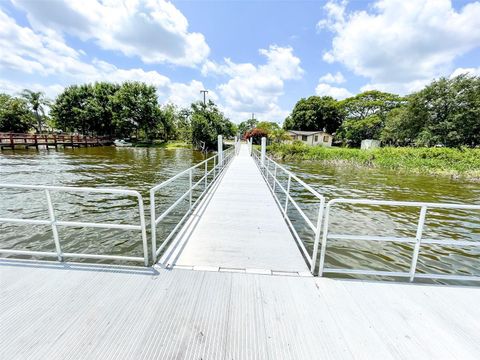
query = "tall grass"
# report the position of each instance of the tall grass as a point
(463, 162)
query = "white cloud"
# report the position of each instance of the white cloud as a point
(467, 71)
(155, 30)
(401, 44)
(14, 88)
(256, 88)
(26, 51)
(338, 93)
(43, 57)
(336, 78)
(107, 72)
(31, 53)
(184, 94)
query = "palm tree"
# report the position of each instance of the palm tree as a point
(37, 101)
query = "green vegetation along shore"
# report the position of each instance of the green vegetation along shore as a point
(461, 162)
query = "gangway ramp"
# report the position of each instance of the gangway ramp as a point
(237, 226)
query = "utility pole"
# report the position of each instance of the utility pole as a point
(253, 116)
(204, 96)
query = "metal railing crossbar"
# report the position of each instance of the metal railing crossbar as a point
(418, 240)
(54, 223)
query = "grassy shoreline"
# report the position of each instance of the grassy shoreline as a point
(464, 163)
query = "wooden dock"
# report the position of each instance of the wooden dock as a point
(232, 285)
(20, 140)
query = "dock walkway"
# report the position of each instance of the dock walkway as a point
(237, 226)
(67, 311)
(232, 285)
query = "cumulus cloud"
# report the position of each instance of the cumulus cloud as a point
(51, 61)
(254, 88)
(155, 30)
(14, 88)
(401, 45)
(39, 51)
(338, 93)
(183, 94)
(465, 71)
(336, 78)
(27, 51)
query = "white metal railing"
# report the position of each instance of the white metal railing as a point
(265, 169)
(238, 144)
(418, 240)
(55, 223)
(215, 170)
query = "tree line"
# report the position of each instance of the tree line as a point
(123, 110)
(445, 113)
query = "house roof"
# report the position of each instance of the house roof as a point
(299, 132)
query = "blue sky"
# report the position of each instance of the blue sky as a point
(253, 56)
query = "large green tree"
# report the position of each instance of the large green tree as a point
(446, 112)
(315, 113)
(37, 102)
(15, 115)
(86, 108)
(207, 122)
(136, 109)
(365, 115)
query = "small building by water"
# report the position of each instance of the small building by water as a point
(312, 137)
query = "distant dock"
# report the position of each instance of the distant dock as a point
(14, 141)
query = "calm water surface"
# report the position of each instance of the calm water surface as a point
(141, 168)
(347, 182)
(131, 168)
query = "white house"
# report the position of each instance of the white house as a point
(312, 137)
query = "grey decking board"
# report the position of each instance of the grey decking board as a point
(186, 314)
(216, 236)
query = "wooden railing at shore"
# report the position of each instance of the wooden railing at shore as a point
(14, 140)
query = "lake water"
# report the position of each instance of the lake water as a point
(128, 168)
(141, 168)
(348, 182)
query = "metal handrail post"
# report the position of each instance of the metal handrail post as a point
(53, 221)
(220, 150)
(275, 177)
(324, 240)
(418, 238)
(264, 149)
(206, 171)
(143, 228)
(214, 167)
(153, 226)
(288, 192)
(190, 175)
(318, 230)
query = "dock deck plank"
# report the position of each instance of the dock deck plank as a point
(88, 312)
(238, 225)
